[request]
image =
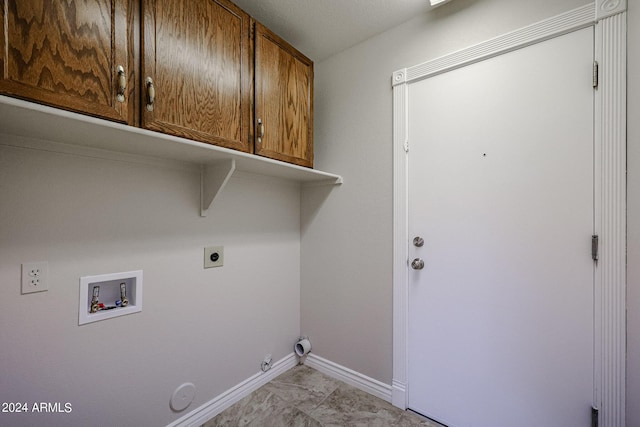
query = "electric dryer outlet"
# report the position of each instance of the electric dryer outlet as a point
(213, 256)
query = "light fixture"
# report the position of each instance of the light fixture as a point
(435, 3)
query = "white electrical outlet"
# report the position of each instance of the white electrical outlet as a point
(35, 277)
(214, 256)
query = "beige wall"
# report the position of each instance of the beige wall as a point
(212, 327)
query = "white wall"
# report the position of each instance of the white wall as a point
(633, 216)
(346, 246)
(213, 327)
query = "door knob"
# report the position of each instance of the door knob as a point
(417, 264)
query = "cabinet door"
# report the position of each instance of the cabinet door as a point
(68, 54)
(284, 100)
(197, 63)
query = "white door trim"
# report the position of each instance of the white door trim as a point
(610, 220)
(609, 19)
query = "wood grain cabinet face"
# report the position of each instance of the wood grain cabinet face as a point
(66, 53)
(196, 57)
(283, 100)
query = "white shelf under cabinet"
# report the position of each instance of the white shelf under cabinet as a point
(39, 122)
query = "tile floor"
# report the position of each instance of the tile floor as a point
(305, 397)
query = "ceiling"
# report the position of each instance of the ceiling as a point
(321, 28)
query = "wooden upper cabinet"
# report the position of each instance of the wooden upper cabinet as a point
(190, 68)
(197, 71)
(68, 53)
(283, 100)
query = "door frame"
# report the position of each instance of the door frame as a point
(609, 19)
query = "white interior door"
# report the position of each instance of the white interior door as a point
(501, 190)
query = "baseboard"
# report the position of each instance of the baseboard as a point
(399, 394)
(221, 402)
(349, 376)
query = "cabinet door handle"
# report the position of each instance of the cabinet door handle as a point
(151, 94)
(260, 130)
(122, 83)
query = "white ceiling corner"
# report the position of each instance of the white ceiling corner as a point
(321, 28)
